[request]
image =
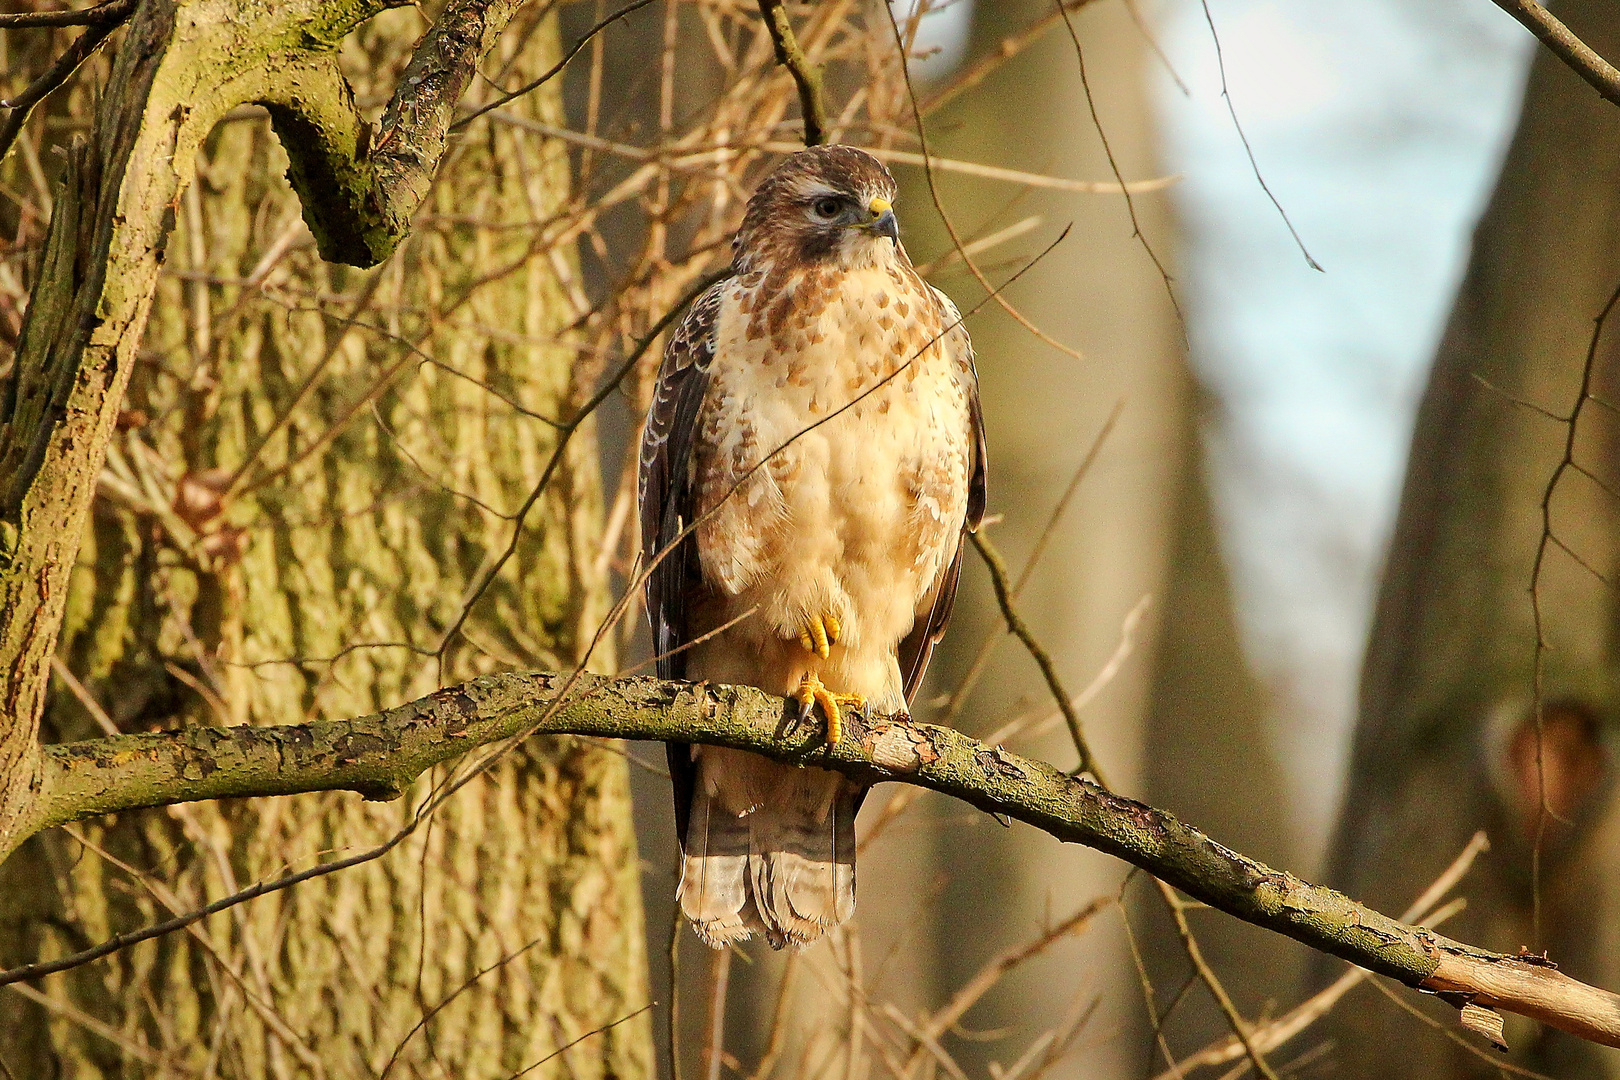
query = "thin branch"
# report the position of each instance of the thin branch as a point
(1016, 626)
(564, 435)
(576, 1041)
(1523, 403)
(1494, 1060)
(1153, 43)
(1538, 665)
(427, 1017)
(1189, 943)
(778, 1030)
(1220, 63)
(529, 87)
(1113, 163)
(939, 203)
(1599, 74)
(968, 995)
(959, 695)
(720, 979)
(1279, 1031)
(806, 75)
(114, 12)
(60, 71)
(1004, 50)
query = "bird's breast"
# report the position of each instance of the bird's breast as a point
(855, 413)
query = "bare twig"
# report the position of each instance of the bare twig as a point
(1494, 1060)
(778, 1030)
(1195, 955)
(1004, 50)
(806, 75)
(720, 980)
(1220, 64)
(114, 12)
(529, 87)
(939, 203)
(1279, 1031)
(564, 435)
(970, 992)
(60, 71)
(1113, 163)
(1538, 675)
(570, 1044)
(1017, 627)
(1598, 73)
(981, 660)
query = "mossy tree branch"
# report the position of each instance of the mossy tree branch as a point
(359, 188)
(380, 755)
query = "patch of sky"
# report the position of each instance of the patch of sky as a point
(1379, 125)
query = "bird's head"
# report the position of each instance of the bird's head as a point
(825, 205)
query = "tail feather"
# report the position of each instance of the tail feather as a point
(769, 848)
(714, 890)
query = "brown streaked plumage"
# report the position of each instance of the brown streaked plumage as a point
(846, 543)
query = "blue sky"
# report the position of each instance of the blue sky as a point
(1379, 126)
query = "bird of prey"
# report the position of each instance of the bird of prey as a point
(816, 418)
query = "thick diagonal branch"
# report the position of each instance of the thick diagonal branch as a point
(380, 755)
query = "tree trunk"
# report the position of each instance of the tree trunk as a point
(228, 578)
(1447, 738)
(1210, 762)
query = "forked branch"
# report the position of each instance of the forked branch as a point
(380, 755)
(359, 188)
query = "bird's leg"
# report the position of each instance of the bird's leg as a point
(818, 634)
(812, 692)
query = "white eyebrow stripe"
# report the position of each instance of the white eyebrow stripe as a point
(814, 189)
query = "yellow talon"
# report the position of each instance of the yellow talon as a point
(813, 692)
(819, 633)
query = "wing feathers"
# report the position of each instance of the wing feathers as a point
(667, 504)
(935, 612)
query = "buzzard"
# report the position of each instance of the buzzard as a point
(817, 417)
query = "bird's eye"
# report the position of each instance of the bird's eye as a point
(827, 207)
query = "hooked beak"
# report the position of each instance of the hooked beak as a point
(883, 222)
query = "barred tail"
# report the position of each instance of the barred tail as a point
(768, 848)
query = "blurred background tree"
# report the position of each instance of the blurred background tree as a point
(1485, 704)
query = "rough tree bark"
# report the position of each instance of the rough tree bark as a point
(1447, 741)
(202, 571)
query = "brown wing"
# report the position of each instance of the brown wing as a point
(667, 501)
(918, 646)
